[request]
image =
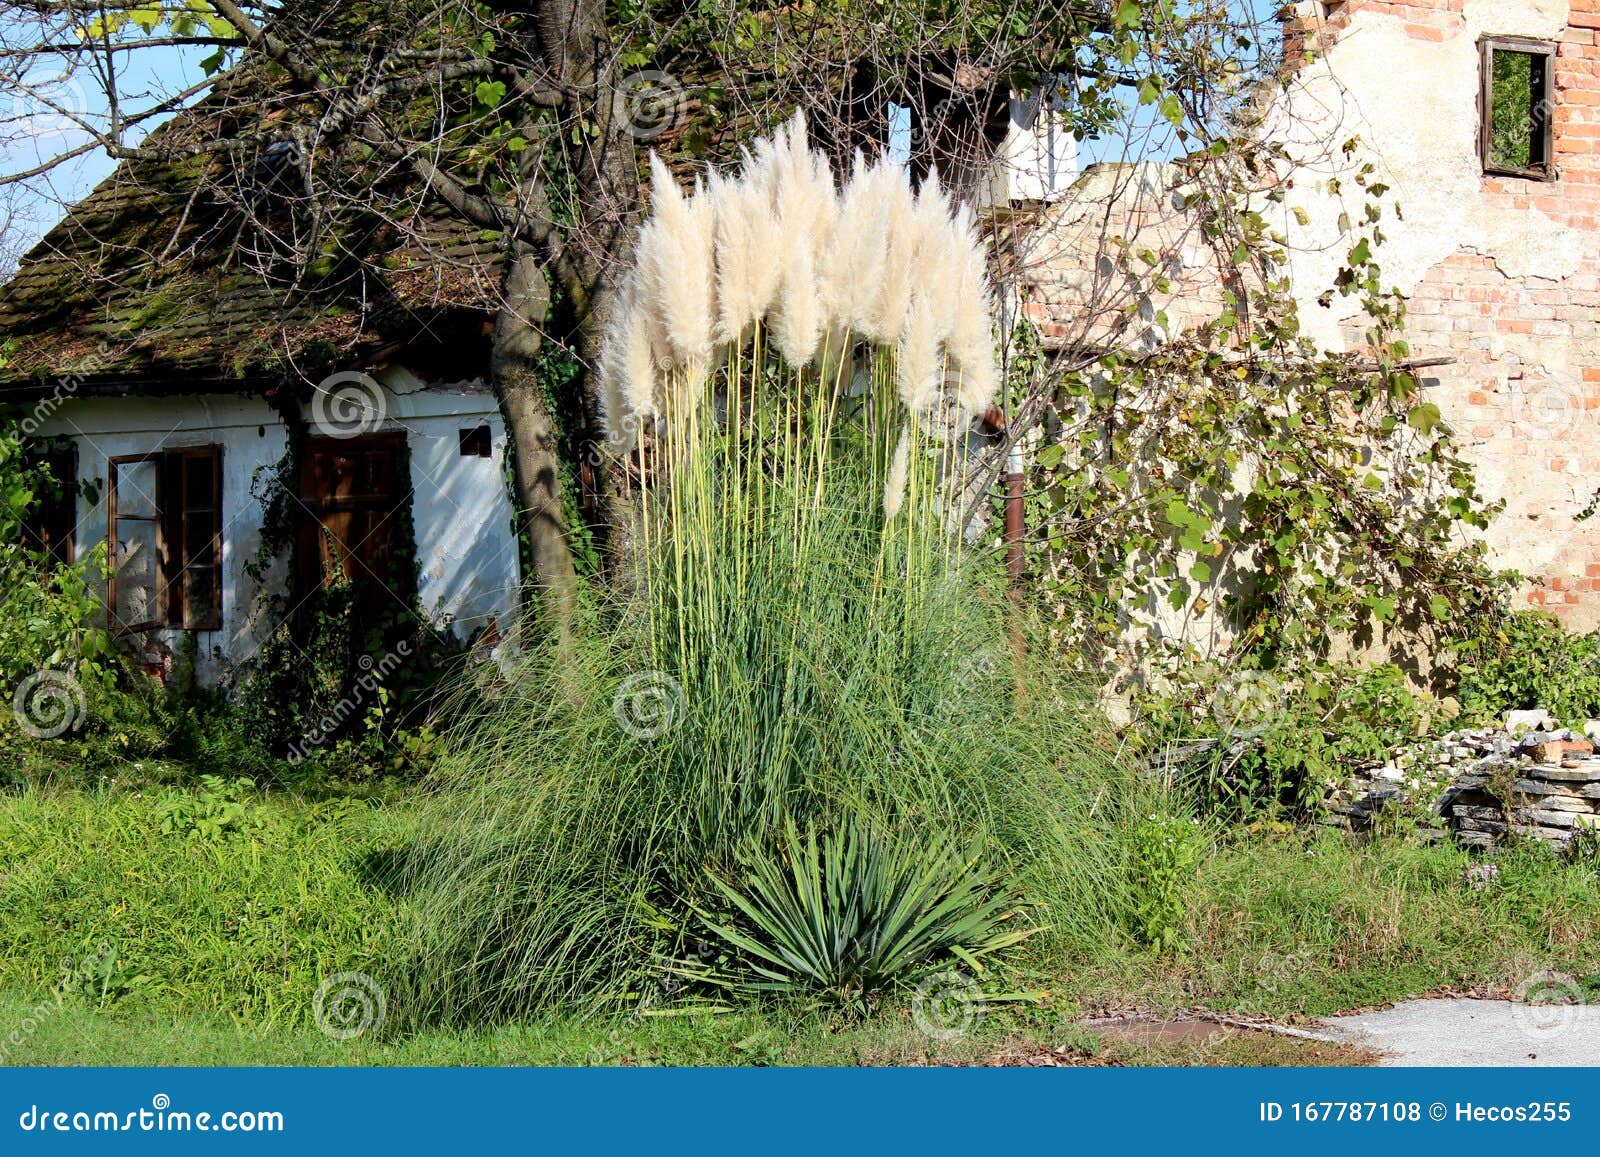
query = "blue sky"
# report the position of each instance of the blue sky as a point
(146, 75)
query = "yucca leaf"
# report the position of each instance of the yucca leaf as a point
(852, 910)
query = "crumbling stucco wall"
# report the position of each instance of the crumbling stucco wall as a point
(1503, 273)
(1092, 266)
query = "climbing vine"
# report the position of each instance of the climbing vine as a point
(1227, 488)
(340, 679)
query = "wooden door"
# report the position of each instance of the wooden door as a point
(355, 495)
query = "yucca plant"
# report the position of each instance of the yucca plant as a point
(853, 914)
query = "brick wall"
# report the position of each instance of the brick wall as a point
(1524, 390)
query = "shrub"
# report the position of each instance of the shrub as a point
(1526, 659)
(1167, 851)
(1257, 745)
(595, 791)
(808, 641)
(47, 609)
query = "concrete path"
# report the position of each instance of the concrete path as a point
(1478, 1032)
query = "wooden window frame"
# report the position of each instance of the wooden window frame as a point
(1543, 128)
(170, 520)
(39, 526)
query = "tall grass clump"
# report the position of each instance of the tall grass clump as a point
(809, 658)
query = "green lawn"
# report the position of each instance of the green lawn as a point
(74, 1035)
(185, 928)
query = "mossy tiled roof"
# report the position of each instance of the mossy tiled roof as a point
(156, 282)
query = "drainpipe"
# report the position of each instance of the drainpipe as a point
(1013, 539)
(1015, 477)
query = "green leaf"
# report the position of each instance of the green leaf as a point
(490, 93)
(1423, 417)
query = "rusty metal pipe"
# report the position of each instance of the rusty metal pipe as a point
(1015, 478)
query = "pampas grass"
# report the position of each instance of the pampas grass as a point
(806, 647)
(557, 858)
(776, 251)
(675, 268)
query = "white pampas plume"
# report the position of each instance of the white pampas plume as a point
(628, 365)
(894, 489)
(801, 181)
(641, 362)
(853, 262)
(732, 257)
(980, 382)
(925, 342)
(797, 321)
(677, 271)
(899, 242)
(920, 379)
(971, 338)
(747, 239)
(807, 210)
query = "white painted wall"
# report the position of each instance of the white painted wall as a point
(252, 439)
(461, 514)
(1039, 157)
(468, 573)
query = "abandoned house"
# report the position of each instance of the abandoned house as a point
(169, 361)
(164, 363)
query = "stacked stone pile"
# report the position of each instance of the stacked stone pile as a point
(1531, 777)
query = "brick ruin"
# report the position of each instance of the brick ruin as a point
(1502, 269)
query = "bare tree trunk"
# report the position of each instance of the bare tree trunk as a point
(575, 45)
(536, 465)
(571, 37)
